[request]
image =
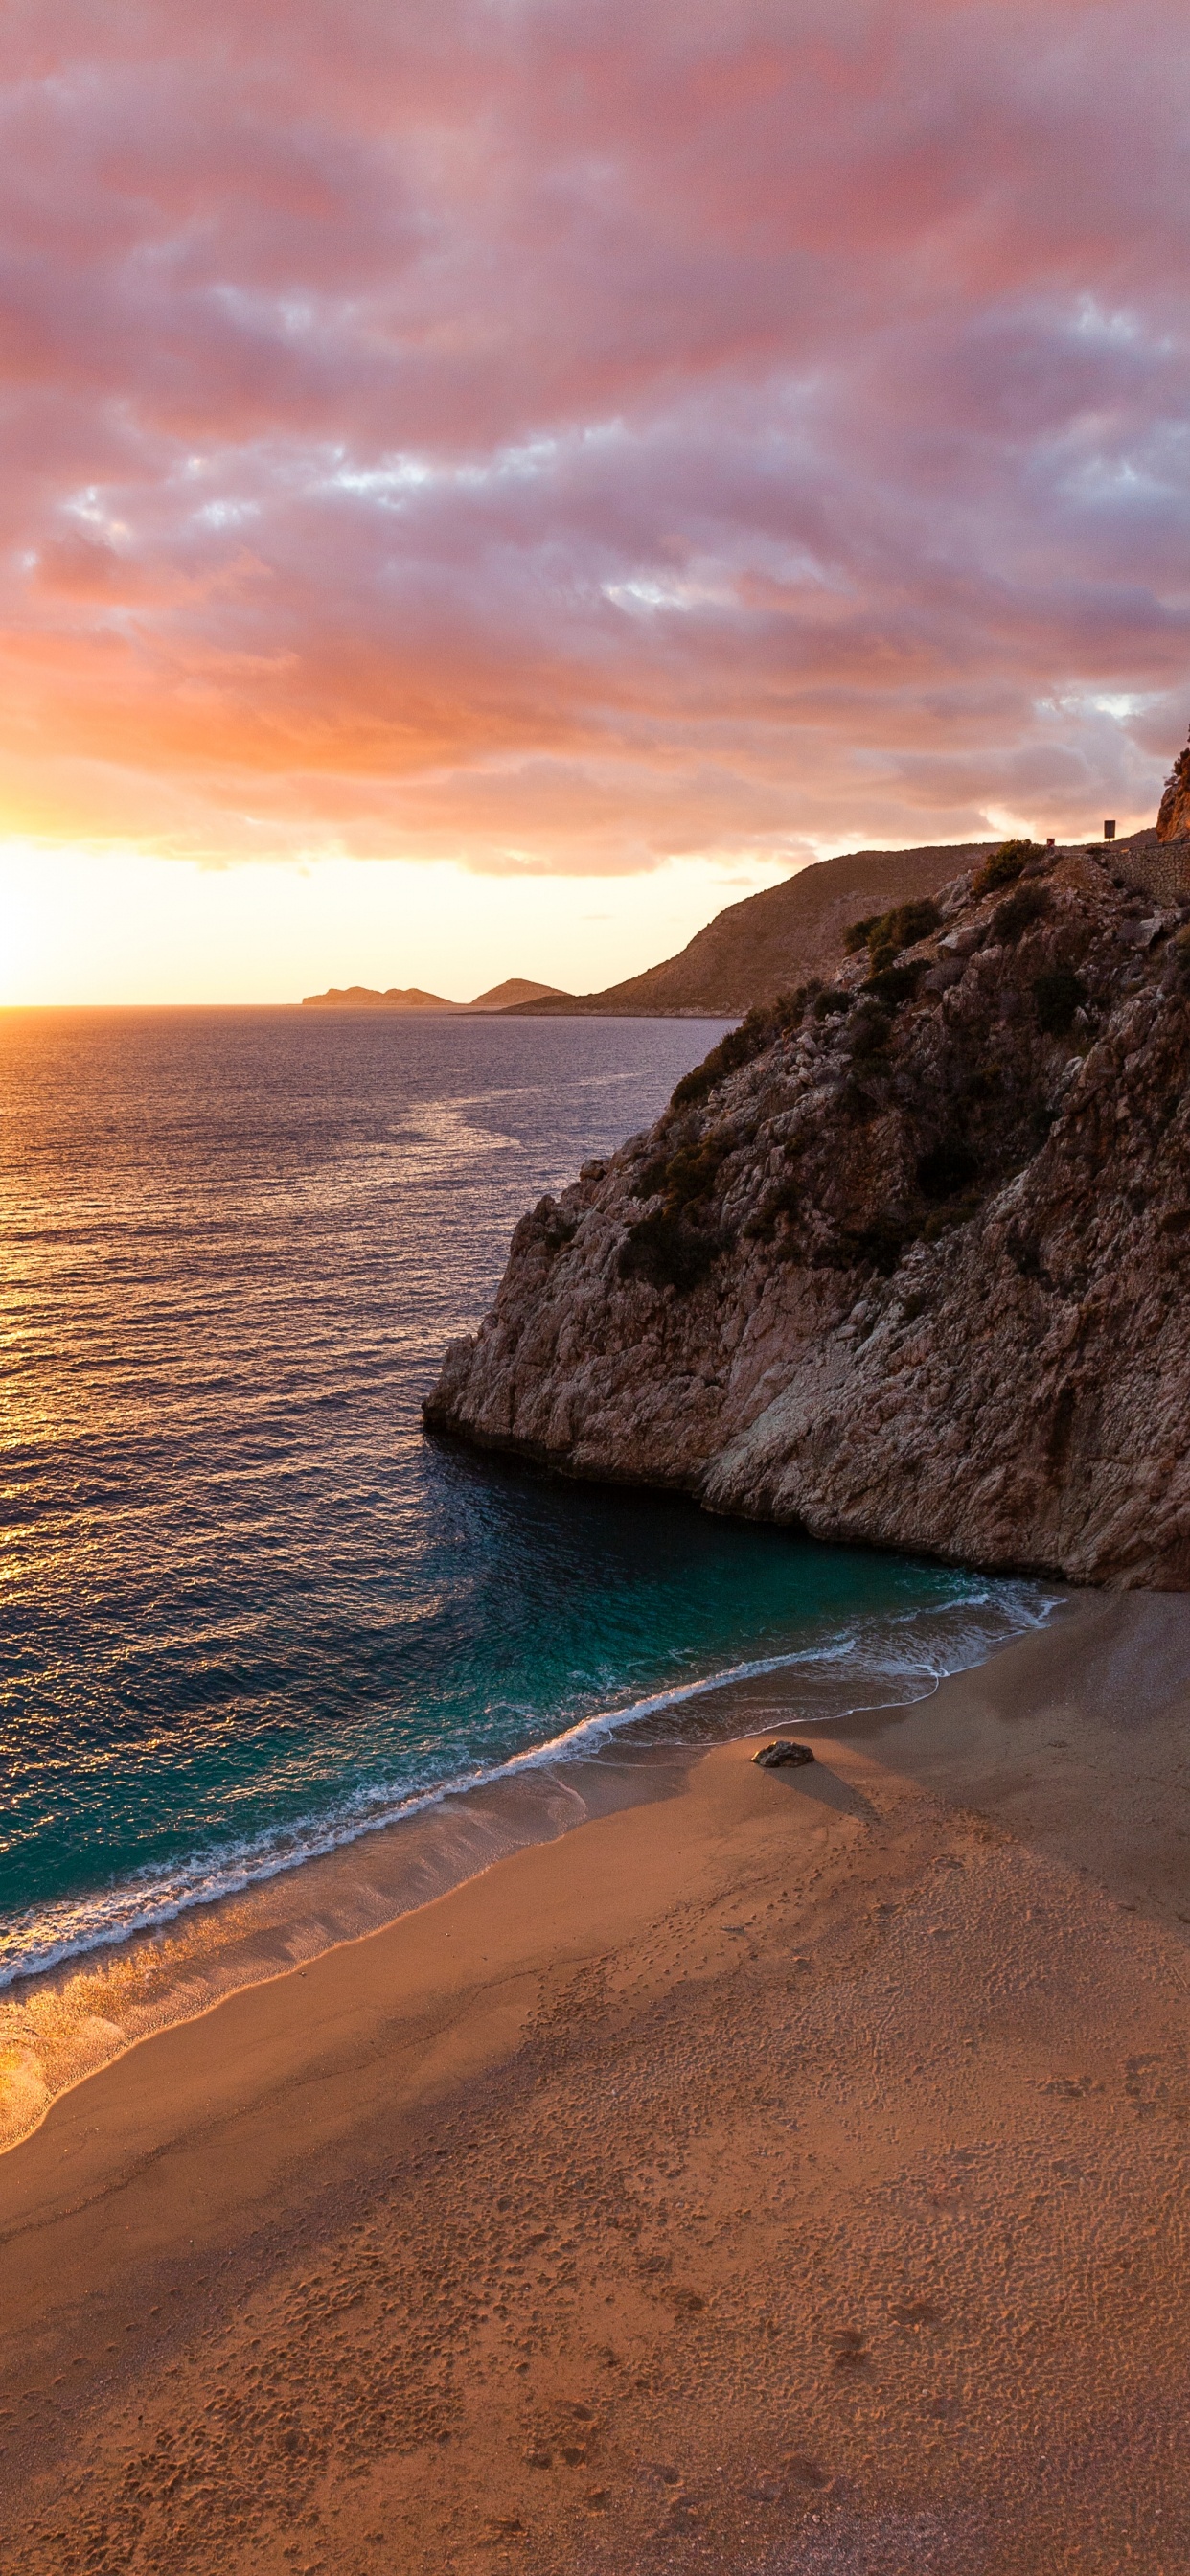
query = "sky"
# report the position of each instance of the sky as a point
(487, 484)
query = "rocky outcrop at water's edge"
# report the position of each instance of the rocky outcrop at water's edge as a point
(906, 1262)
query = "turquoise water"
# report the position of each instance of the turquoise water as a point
(249, 1611)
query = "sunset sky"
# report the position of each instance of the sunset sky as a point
(486, 486)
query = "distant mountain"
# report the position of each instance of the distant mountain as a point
(772, 941)
(515, 992)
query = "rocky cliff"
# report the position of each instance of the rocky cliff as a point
(907, 1261)
(1173, 818)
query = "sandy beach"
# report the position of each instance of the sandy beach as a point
(787, 2172)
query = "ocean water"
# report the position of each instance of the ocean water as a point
(250, 1613)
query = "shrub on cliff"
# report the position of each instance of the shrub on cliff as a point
(946, 1169)
(756, 1031)
(857, 936)
(879, 1246)
(1018, 914)
(911, 922)
(884, 934)
(667, 1252)
(685, 1176)
(892, 985)
(1058, 993)
(692, 1172)
(869, 1033)
(1005, 865)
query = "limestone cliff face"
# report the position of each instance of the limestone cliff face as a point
(908, 1262)
(1173, 816)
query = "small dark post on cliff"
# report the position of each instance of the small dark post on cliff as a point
(1109, 831)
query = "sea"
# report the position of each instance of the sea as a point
(272, 1661)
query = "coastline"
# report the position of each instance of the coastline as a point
(793, 2162)
(344, 1877)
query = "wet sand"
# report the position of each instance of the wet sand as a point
(785, 2173)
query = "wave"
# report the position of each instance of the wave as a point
(889, 1659)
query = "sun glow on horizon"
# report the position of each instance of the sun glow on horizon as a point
(84, 927)
(451, 456)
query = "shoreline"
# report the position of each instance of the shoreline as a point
(796, 2163)
(62, 2021)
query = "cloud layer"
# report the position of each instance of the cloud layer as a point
(563, 435)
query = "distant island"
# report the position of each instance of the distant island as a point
(511, 995)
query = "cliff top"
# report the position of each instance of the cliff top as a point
(770, 942)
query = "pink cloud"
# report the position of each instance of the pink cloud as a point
(564, 436)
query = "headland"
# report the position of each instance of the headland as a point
(903, 1260)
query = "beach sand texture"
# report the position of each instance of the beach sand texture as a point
(788, 2174)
